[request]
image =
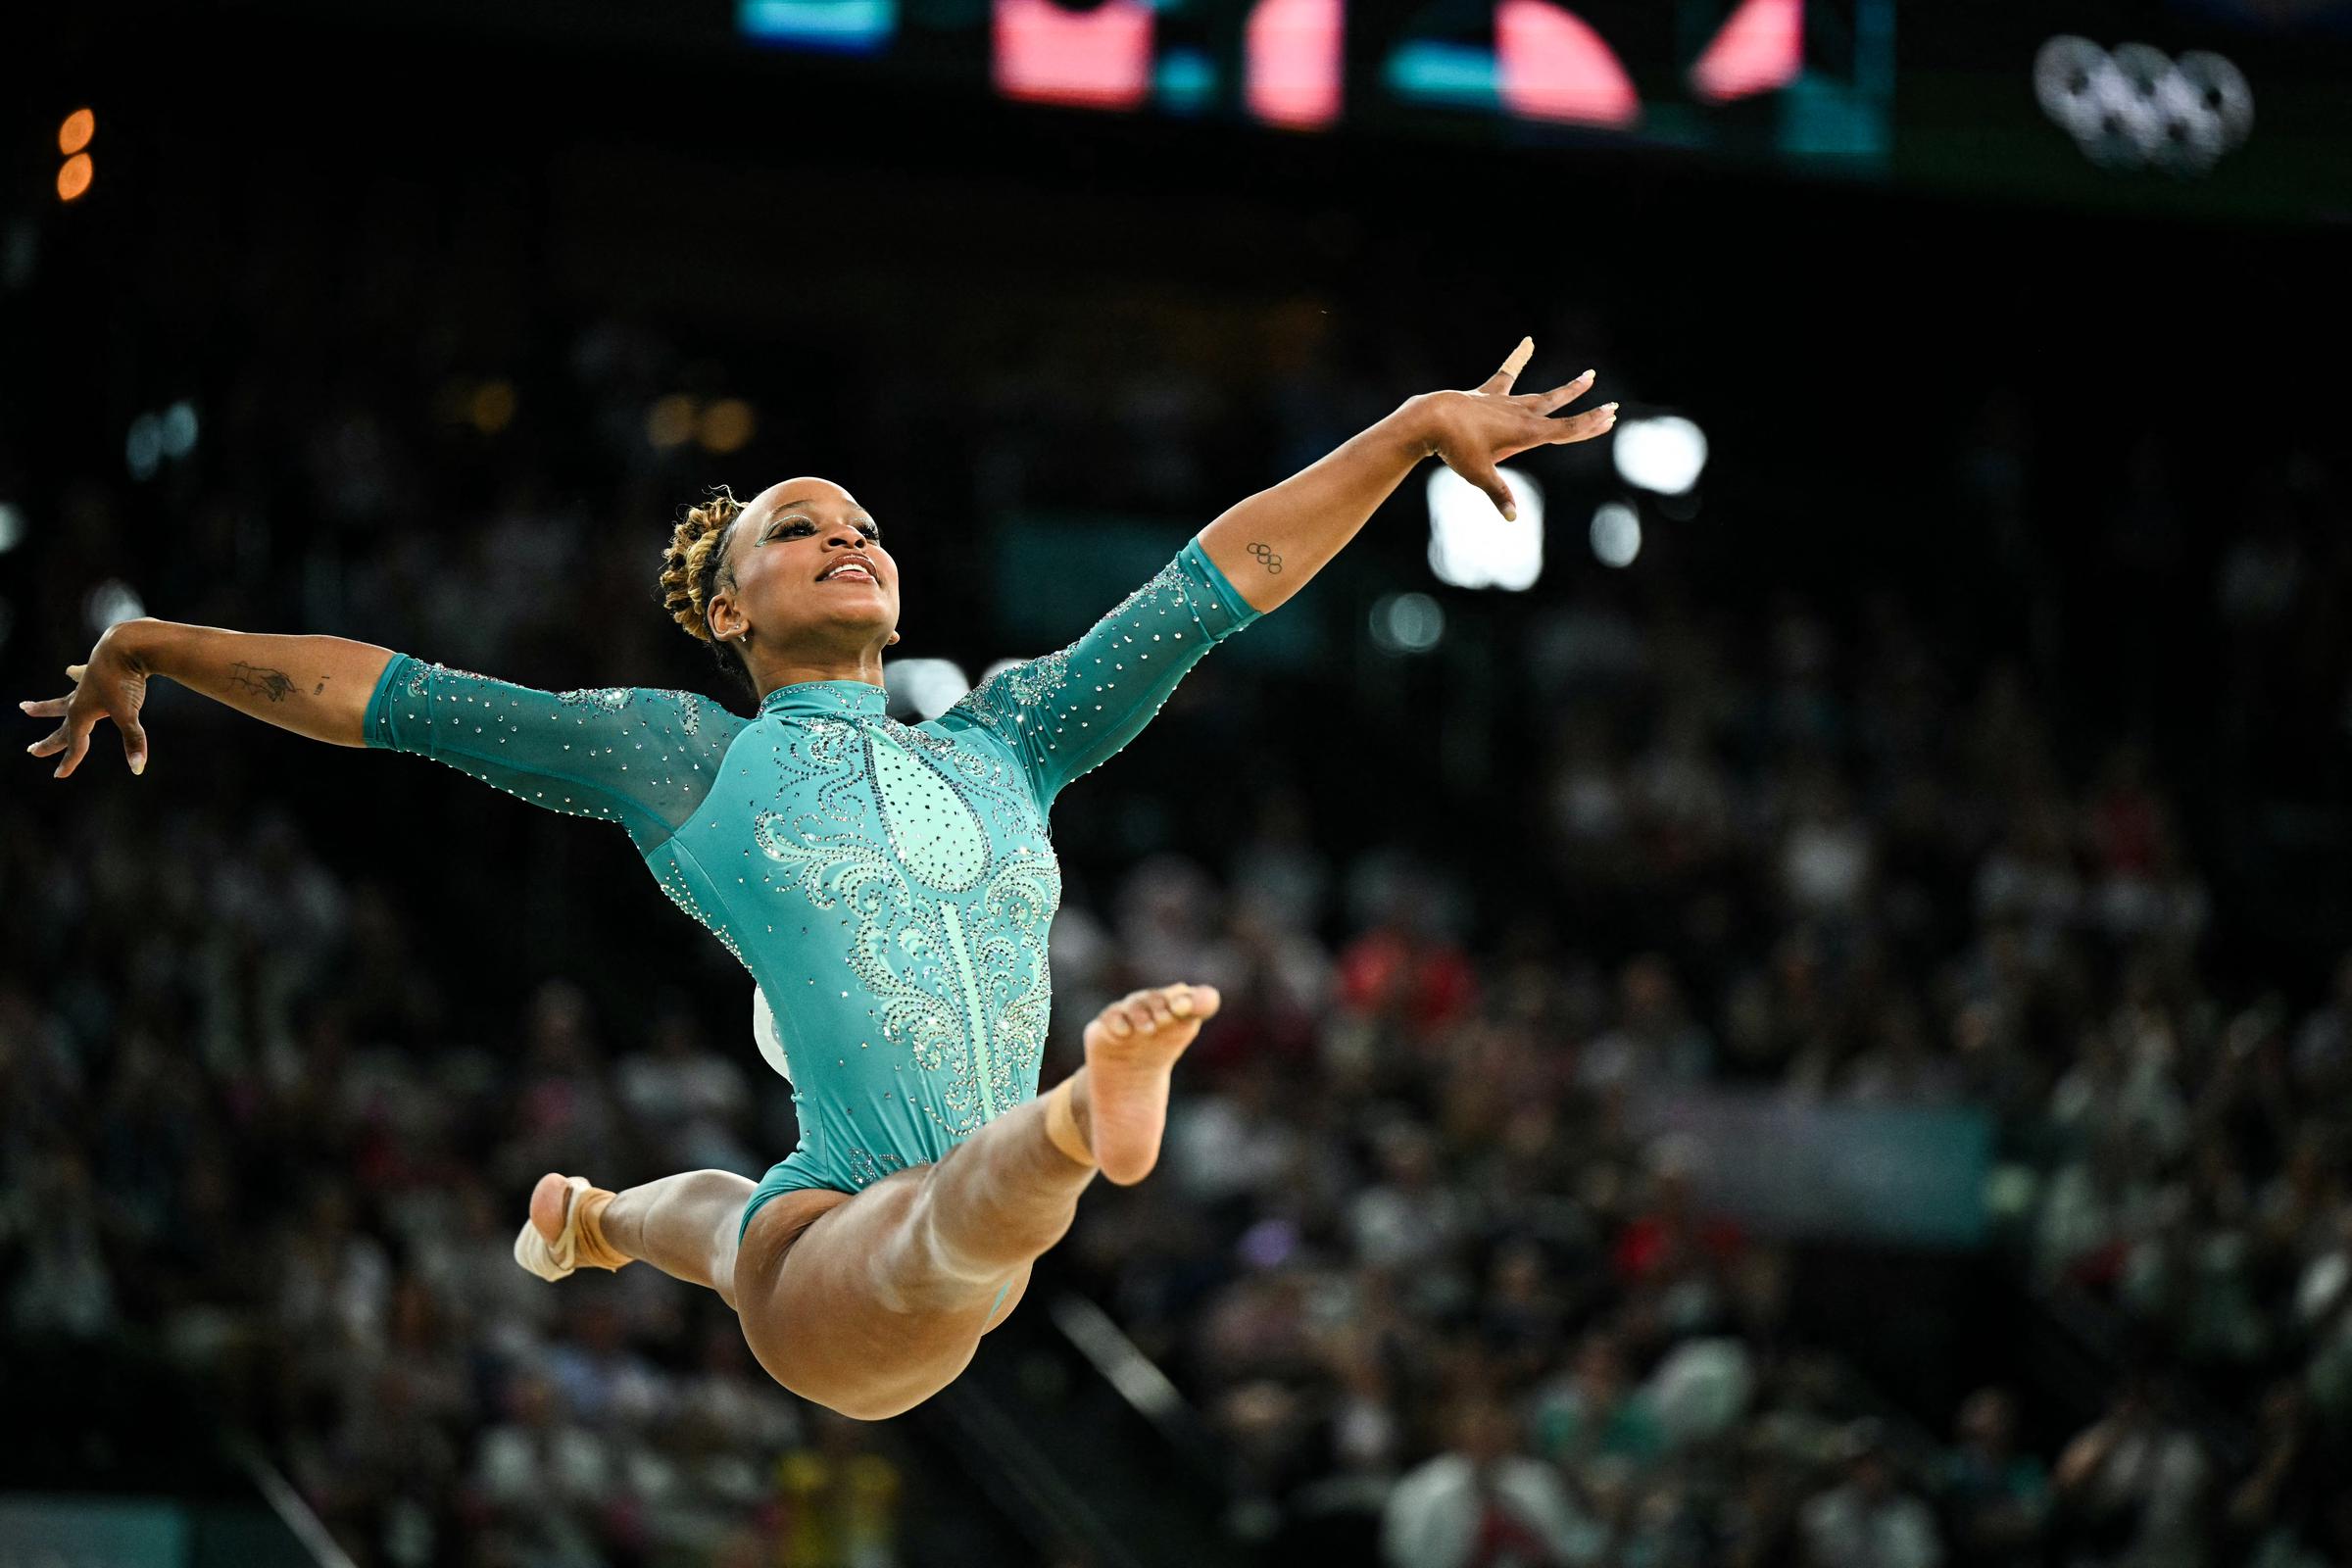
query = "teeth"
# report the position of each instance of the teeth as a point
(845, 571)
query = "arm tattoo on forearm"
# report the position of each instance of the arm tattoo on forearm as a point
(1267, 557)
(270, 683)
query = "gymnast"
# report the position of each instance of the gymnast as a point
(888, 886)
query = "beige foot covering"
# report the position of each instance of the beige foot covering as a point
(1062, 1123)
(580, 1244)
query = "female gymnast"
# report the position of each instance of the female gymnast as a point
(888, 886)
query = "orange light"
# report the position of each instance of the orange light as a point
(669, 422)
(75, 177)
(727, 425)
(493, 406)
(76, 133)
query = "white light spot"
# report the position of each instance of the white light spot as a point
(12, 527)
(1408, 623)
(1616, 534)
(1472, 545)
(931, 686)
(1666, 454)
(143, 448)
(178, 429)
(111, 602)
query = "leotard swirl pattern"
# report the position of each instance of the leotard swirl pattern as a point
(889, 886)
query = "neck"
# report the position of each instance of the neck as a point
(797, 666)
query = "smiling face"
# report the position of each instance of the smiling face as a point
(805, 577)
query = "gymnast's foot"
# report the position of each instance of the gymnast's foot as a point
(566, 1230)
(1131, 1048)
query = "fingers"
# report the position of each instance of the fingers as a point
(1496, 491)
(1582, 426)
(52, 743)
(74, 673)
(1560, 396)
(53, 708)
(1500, 380)
(77, 746)
(134, 743)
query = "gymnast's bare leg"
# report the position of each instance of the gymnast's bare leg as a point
(871, 1302)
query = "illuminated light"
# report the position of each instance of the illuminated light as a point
(1616, 534)
(835, 26)
(1666, 454)
(1459, 75)
(1761, 49)
(2138, 106)
(177, 430)
(1184, 82)
(1100, 59)
(727, 425)
(76, 133)
(492, 407)
(1471, 545)
(931, 686)
(12, 527)
(75, 177)
(1408, 623)
(143, 447)
(1294, 66)
(111, 602)
(1549, 64)
(669, 422)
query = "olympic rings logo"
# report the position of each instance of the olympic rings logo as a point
(1267, 557)
(2137, 105)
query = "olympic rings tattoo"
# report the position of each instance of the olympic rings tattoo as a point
(1271, 560)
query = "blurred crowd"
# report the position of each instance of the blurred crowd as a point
(1438, 1291)
(286, 1037)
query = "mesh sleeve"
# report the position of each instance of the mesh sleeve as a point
(1069, 713)
(640, 758)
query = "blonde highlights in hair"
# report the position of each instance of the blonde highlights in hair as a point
(690, 568)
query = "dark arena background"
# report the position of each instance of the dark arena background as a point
(1791, 1007)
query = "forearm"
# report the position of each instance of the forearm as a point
(1270, 545)
(314, 686)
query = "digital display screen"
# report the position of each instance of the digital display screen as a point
(2232, 109)
(1808, 80)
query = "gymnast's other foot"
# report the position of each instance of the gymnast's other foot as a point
(566, 1231)
(1131, 1048)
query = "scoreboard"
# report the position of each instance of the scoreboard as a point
(2232, 107)
(1808, 80)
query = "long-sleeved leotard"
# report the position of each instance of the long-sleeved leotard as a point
(888, 886)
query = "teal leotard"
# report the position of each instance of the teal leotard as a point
(888, 885)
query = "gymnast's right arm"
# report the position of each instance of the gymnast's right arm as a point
(314, 686)
(640, 758)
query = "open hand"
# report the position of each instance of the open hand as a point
(111, 685)
(1473, 431)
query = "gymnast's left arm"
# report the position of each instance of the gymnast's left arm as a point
(1270, 545)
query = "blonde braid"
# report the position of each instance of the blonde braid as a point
(690, 566)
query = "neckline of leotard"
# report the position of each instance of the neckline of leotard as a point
(829, 698)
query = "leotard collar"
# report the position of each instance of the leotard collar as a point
(830, 699)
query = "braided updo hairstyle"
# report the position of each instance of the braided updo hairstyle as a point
(690, 566)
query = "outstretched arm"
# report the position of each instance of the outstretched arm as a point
(643, 759)
(314, 686)
(1270, 545)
